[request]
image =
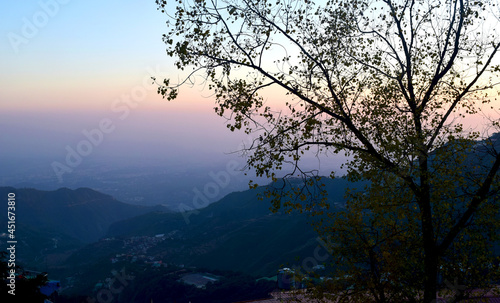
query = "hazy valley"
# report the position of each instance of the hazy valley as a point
(80, 236)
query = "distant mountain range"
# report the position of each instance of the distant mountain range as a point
(239, 232)
(83, 213)
(52, 224)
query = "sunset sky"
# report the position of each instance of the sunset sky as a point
(67, 65)
(77, 55)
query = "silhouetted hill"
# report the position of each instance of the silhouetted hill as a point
(83, 214)
(234, 207)
(239, 232)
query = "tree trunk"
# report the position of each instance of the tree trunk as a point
(430, 271)
(430, 249)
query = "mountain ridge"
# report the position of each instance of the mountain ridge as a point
(81, 213)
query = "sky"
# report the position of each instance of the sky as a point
(79, 54)
(67, 65)
(77, 99)
(75, 80)
(74, 71)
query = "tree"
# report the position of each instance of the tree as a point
(378, 236)
(387, 82)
